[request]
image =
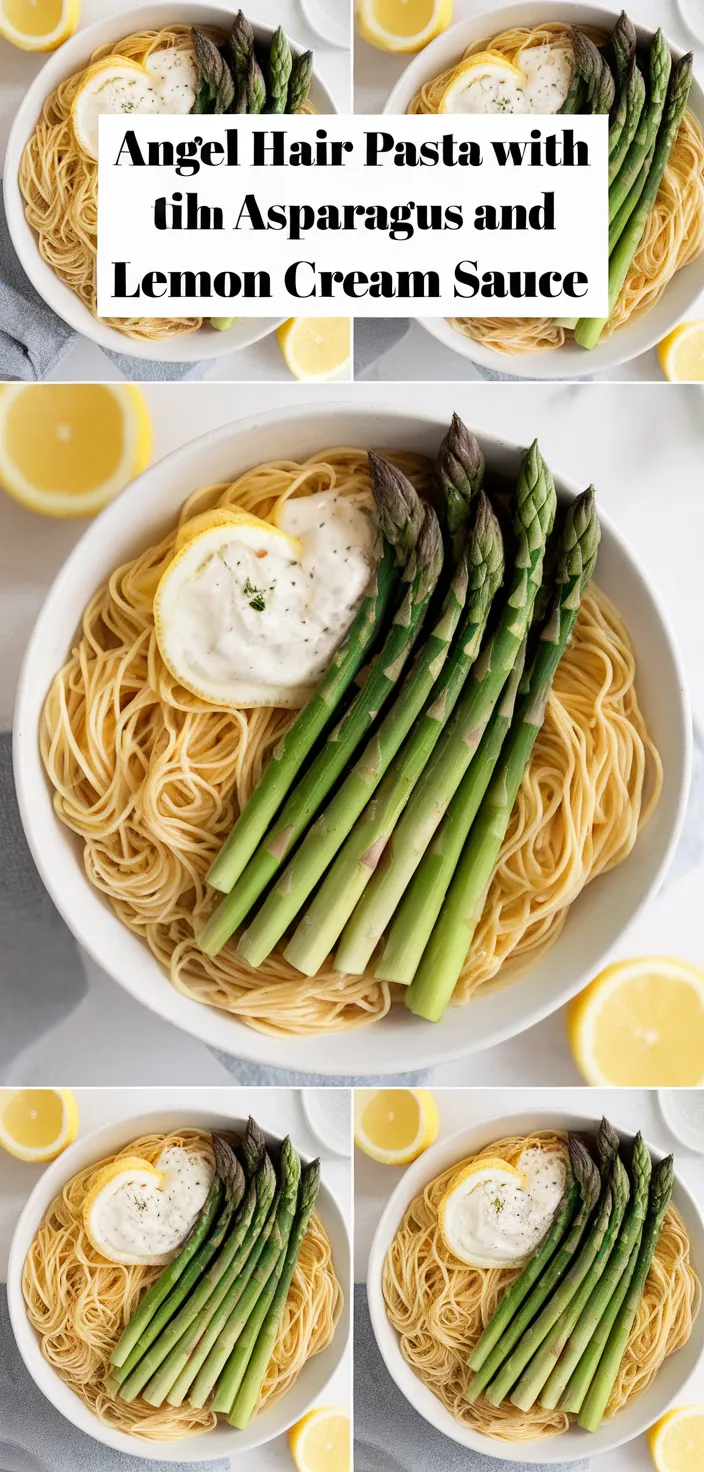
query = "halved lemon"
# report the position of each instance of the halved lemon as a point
(681, 354)
(321, 1441)
(38, 25)
(37, 1124)
(316, 348)
(640, 1023)
(66, 449)
(395, 1126)
(677, 1440)
(491, 1171)
(402, 26)
(486, 71)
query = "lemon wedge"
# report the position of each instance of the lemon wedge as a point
(402, 26)
(395, 1126)
(677, 1440)
(38, 25)
(37, 1124)
(681, 354)
(453, 1219)
(486, 82)
(321, 1441)
(316, 348)
(66, 449)
(640, 1023)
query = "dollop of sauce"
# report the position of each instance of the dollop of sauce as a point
(503, 1220)
(167, 83)
(546, 73)
(137, 1215)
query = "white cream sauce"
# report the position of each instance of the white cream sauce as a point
(167, 84)
(503, 1220)
(276, 619)
(546, 73)
(135, 1214)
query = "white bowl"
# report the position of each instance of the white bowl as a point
(570, 361)
(575, 1443)
(224, 1440)
(401, 1041)
(207, 342)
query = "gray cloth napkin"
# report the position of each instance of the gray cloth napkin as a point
(34, 1437)
(33, 340)
(390, 1436)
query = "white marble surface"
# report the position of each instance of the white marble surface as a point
(262, 361)
(420, 356)
(278, 1110)
(641, 445)
(627, 1109)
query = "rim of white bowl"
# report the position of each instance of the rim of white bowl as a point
(192, 347)
(43, 1374)
(567, 363)
(210, 1025)
(552, 1449)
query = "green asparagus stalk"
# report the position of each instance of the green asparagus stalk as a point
(241, 52)
(294, 885)
(252, 1148)
(539, 1369)
(153, 1300)
(444, 956)
(630, 203)
(569, 1381)
(481, 568)
(589, 329)
(595, 72)
(415, 918)
(299, 82)
(230, 1263)
(623, 45)
(576, 96)
(250, 1387)
(458, 474)
(192, 1275)
(519, 1290)
(213, 72)
(588, 1183)
(647, 130)
(280, 63)
(584, 1374)
(534, 515)
(600, 1389)
(635, 102)
(255, 88)
(275, 1250)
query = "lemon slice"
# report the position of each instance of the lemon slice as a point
(395, 1126)
(111, 85)
(402, 25)
(316, 348)
(681, 354)
(486, 82)
(38, 25)
(640, 1023)
(129, 1175)
(493, 1172)
(66, 449)
(37, 1124)
(677, 1440)
(321, 1441)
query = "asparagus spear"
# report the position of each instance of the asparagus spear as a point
(518, 1291)
(290, 753)
(252, 1148)
(255, 87)
(169, 1278)
(589, 329)
(319, 846)
(584, 1374)
(280, 63)
(623, 45)
(274, 1251)
(595, 72)
(299, 82)
(576, 95)
(539, 1370)
(620, 220)
(241, 50)
(458, 474)
(403, 516)
(250, 1387)
(647, 130)
(214, 73)
(534, 515)
(229, 1265)
(600, 1389)
(232, 1200)
(444, 956)
(572, 1374)
(588, 1182)
(619, 143)
(482, 568)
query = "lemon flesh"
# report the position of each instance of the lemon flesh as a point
(320, 1442)
(677, 1441)
(38, 25)
(641, 1023)
(402, 26)
(316, 349)
(394, 1126)
(681, 355)
(37, 1124)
